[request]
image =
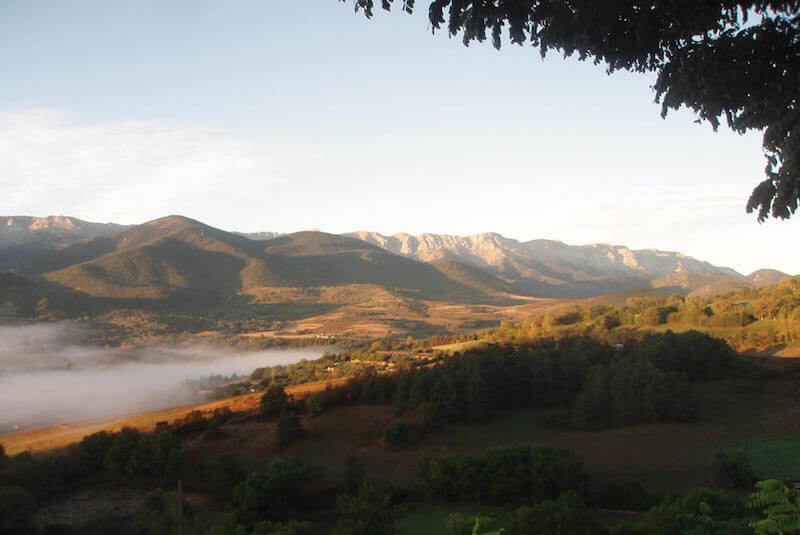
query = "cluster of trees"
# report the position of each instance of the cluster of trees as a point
(588, 384)
(745, 318)
(773, 509)
(645, 381)
(125, 452)
(504, 475)
(276, 403)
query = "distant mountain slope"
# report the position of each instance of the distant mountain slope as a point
(20, 297)
(717, 283)
(179, 257)
(765, 277)
(548, 268)
(24, 239)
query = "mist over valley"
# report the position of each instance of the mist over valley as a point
(47, 378)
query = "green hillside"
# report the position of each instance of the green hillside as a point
(179, 257)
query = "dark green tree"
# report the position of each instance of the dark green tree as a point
(224, 470)
(367, 513)
(121, 450)
(93, 448)
(274, 401)
(735, 61)
(289, 428)
(268, 496)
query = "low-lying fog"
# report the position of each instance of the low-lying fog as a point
(47, 377)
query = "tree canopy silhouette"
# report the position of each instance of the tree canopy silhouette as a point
(736, 61)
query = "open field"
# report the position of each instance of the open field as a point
(665, 456)
(58, 437)
(771, 457)
(371, 311)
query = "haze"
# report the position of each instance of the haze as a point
(48, 379)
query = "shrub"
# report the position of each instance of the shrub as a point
(397, 432)
(566, 514)
(315, 403)
(289, 428)
(731, 469)
(367, 513)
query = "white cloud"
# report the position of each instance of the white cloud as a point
(122, 171)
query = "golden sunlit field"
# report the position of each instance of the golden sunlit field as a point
(58, 437)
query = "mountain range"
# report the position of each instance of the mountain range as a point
(180, 258)
(548, 268)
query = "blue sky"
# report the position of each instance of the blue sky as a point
(283, 116)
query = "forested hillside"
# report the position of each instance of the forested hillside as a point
(764, 319)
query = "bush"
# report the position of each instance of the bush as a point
(397, 432)
(567, 514)
(429, 417)
(731, 469)
(315, 404)
(224, 470)
(158, 513)
(212, 430)
(289, 428)
(367, 513)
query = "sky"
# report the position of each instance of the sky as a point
(285, 116)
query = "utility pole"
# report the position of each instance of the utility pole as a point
(180, 509)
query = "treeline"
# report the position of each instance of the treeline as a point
(504, 475)
(591, 384)
(746, 318)
(127, 452)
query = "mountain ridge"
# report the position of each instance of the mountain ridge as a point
(178, 257)
(487, 263)
(551, 268)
